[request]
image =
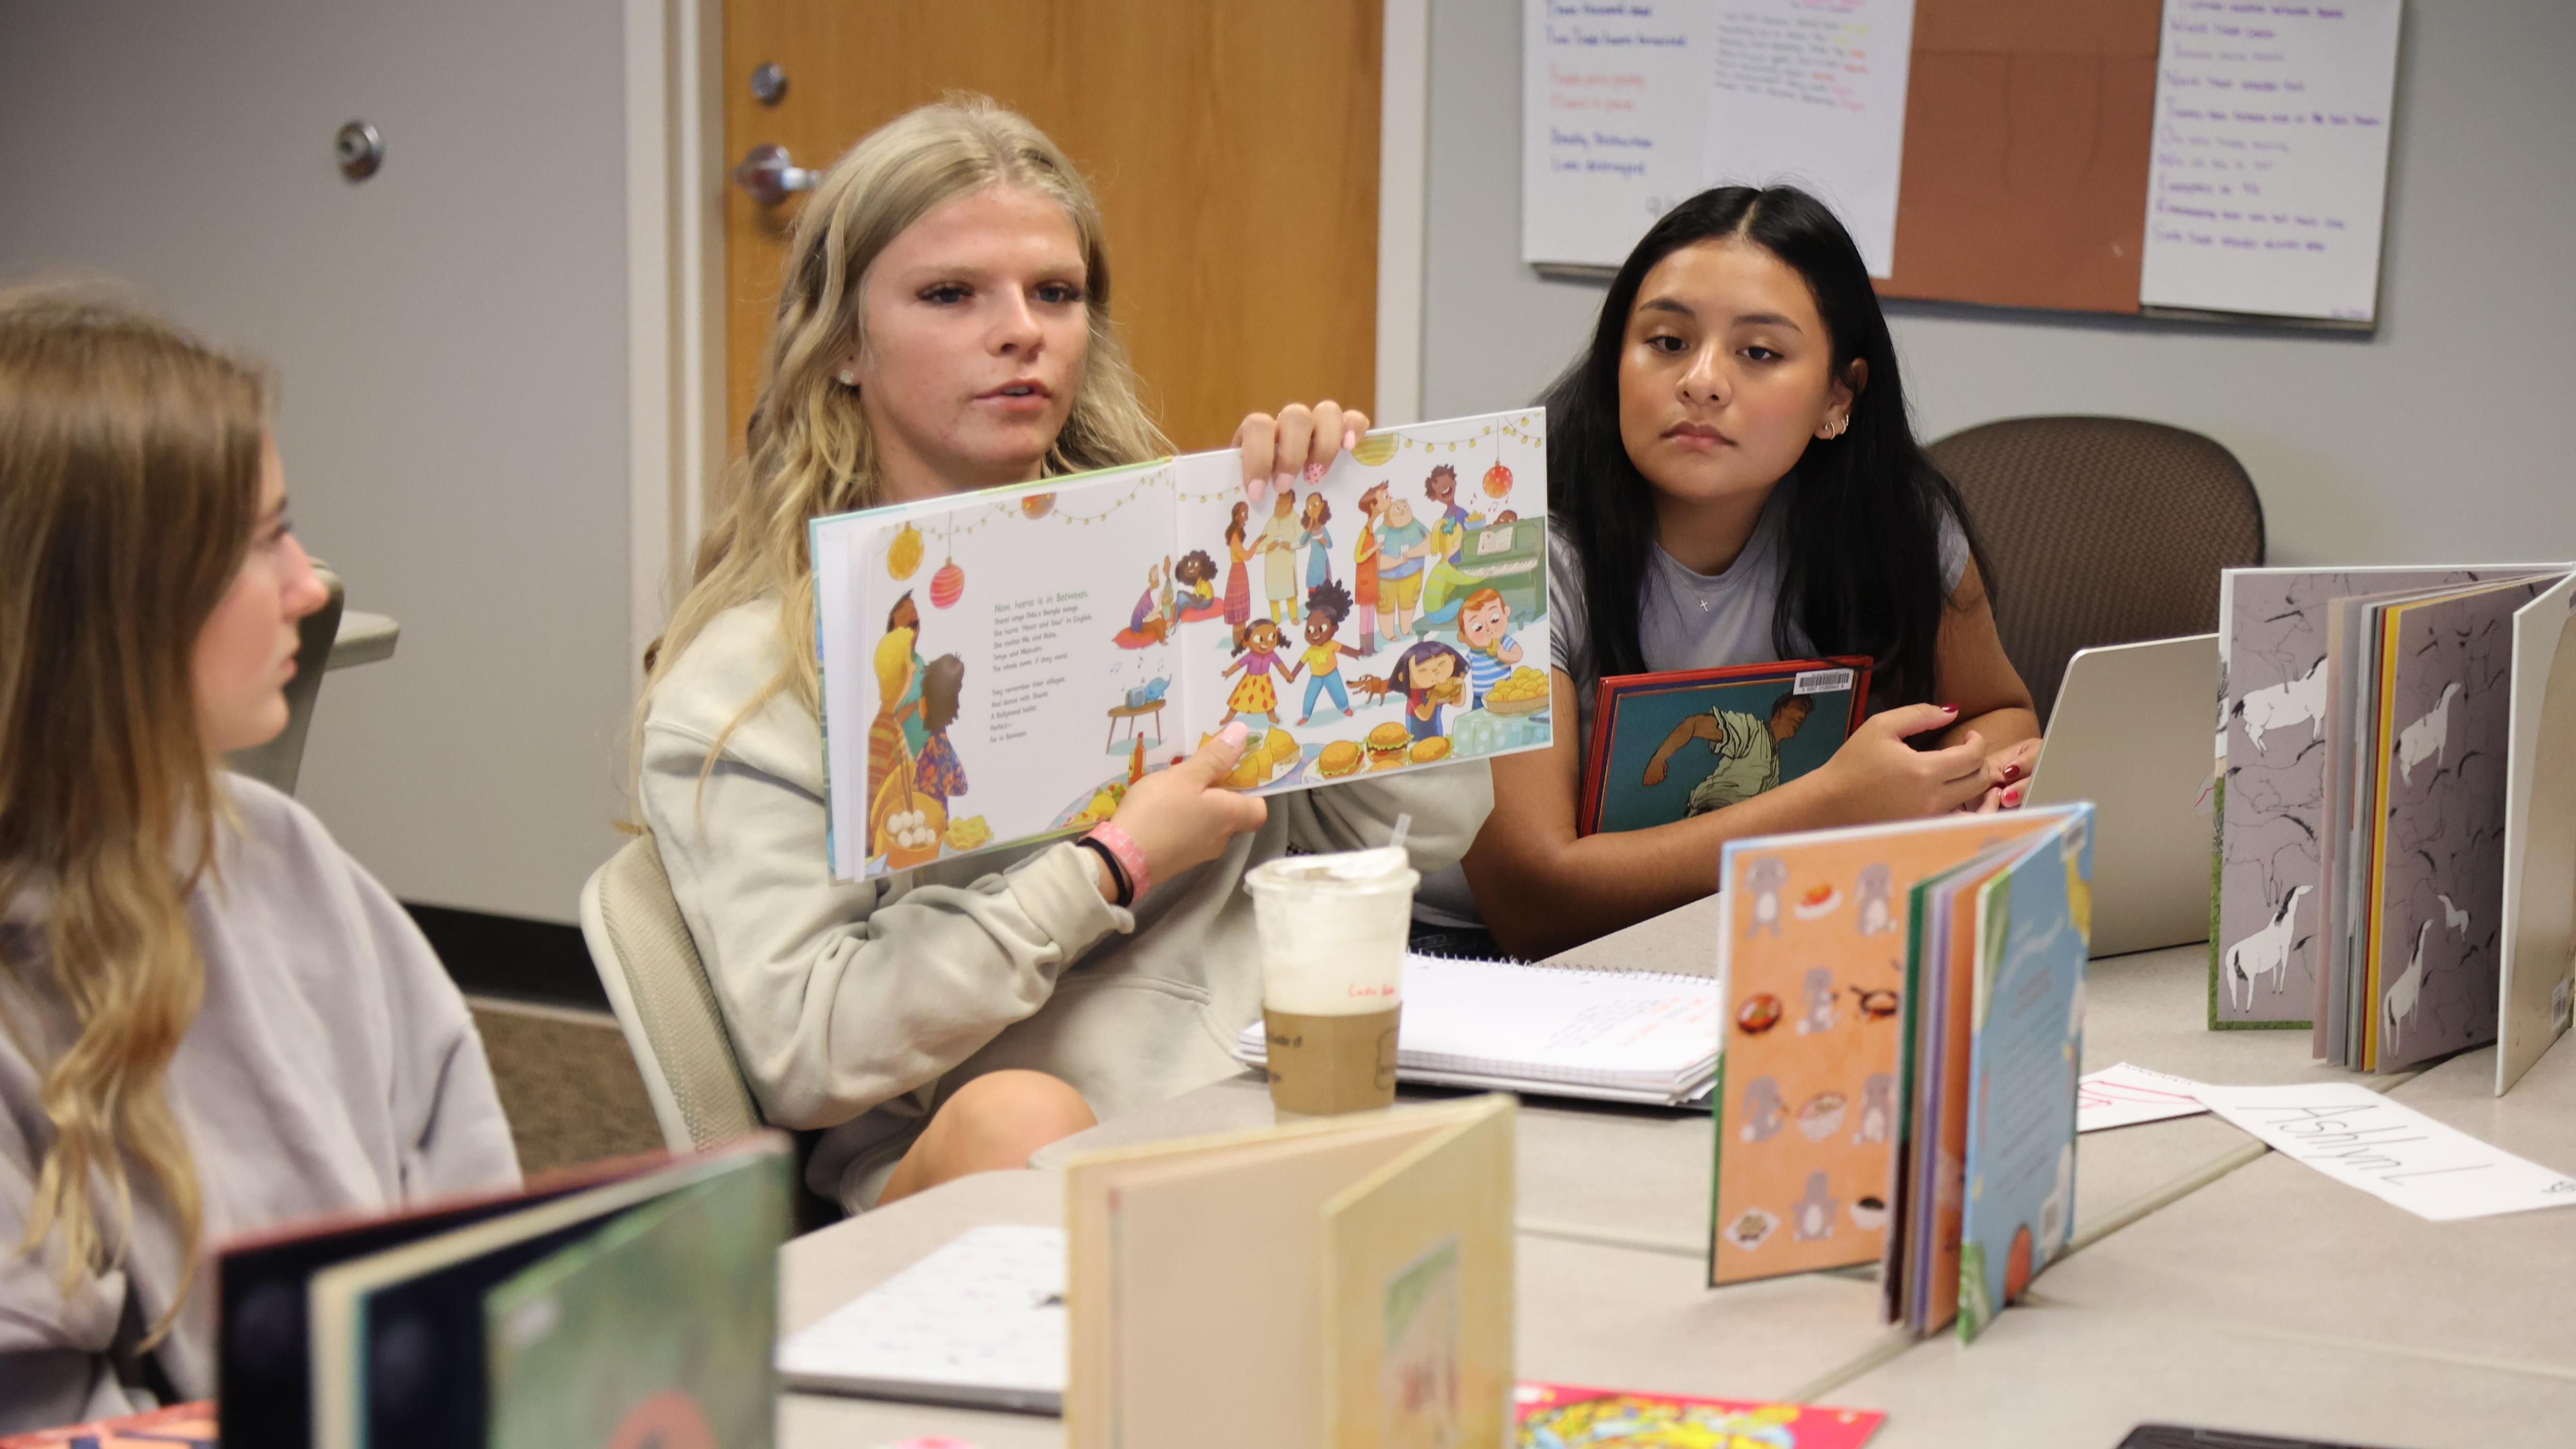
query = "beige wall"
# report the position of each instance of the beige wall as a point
(2444, 436)
(452, 340)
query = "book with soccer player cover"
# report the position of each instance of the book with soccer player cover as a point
(1671, 745)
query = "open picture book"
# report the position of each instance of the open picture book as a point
(1904, 1015)
(998, 667)
(2389, 759)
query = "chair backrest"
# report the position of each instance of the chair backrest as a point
(2100, 531)
(277, 763)
(640, 944)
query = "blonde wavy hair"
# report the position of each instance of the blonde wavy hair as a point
(809, 451)
(129, 487)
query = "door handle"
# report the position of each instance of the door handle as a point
(769, 174)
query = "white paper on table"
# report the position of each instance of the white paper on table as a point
(2393, 1152)
(2267, 176)
(2125, 1095)
(980, 1320)
(1614, 99)
(1812, 93)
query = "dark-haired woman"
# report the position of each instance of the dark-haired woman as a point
(1735, 482)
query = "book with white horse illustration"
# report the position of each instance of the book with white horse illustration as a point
(2431, 917)
(2274, 709)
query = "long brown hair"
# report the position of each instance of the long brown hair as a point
(809, 449)
(130, 462)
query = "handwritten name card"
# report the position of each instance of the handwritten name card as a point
(2393, 1152)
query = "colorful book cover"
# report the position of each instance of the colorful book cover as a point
(998, 667)
(1924, 1262)
(2034, 919)
(2539, 972)
(1669, 746)
(1812, 953)
(585, 1347)
(180, 1426)
(1568, 1416)
(2437, 897)
(2271, 765)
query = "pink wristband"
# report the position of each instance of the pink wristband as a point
(1130, 859)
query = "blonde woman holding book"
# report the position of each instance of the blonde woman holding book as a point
(944, 327)
(211, 1019)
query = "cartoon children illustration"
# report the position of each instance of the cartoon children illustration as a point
(1747, 750)
(1442, 488)
(1402, 546)
(1196, 576)
(906, 615)
(1491, 653)
(938, 773)
(890, 760)
(1259, 647)
(1364, 567)
(1318, 539)
(1327, 605)
(1443, 578)
(1279, 539)
(1150, 622)
(1431, 674)
(1238, 582)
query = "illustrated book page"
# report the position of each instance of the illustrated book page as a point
(1670, 746)
(2271, 799)
(1571, 1415)
(1174, 1328)
(998, 667)
(2447, 704)
(2034, 922)
(1812, 953)
(2539, 835)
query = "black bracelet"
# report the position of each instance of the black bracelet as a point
(1117, 872)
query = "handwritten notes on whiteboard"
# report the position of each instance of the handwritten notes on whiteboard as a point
(2269, 175)
(1629, 107)
(1812, 92)
(1613, 100)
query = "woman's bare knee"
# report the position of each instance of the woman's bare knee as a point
(990, 1124)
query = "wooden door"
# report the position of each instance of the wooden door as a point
(1233, 147)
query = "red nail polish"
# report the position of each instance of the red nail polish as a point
(2013, 796)
(2011, 773)
(1949, 709)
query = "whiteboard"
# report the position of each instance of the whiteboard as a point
(1630, 108)
(2267, 188)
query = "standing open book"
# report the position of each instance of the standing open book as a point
(999, 666)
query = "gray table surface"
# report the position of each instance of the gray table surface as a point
(2205, 1284)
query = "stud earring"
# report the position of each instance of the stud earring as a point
(849, 378)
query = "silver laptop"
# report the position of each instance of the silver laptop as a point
(2133, 733)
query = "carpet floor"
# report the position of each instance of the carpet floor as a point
(567, 1082)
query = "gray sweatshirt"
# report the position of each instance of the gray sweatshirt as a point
(332, 1068)
(857, 1007)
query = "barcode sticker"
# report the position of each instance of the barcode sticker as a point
(1824, 681)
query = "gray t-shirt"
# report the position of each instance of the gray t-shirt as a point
(1685, 620)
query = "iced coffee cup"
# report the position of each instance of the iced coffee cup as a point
(1333, 931)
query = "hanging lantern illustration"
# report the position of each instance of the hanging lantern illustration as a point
(1038, 505)
(950, 582)
(1498, 480)
(903, 556)
(1375, 449)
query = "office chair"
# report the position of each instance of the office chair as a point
(2100, 531)
(641, 947)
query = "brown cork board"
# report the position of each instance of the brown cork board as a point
(2027, 126)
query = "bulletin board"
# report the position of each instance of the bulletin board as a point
(2217, 157)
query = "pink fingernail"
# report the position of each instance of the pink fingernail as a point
(1283, 481)
(1350, 442)
(1314, 474)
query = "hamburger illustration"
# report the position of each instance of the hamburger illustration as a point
(1387, 745)
(1340, 758)
(1431, 751)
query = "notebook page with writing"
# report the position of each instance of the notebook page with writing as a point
(1506, 1021)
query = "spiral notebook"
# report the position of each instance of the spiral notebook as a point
(1566, 1031)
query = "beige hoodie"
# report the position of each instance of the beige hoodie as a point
(857, 1007)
